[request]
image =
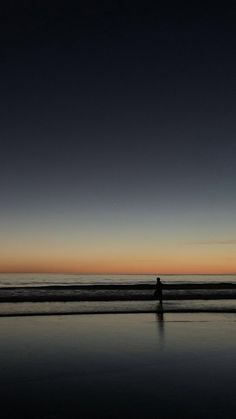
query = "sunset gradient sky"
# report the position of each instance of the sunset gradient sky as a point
(118, 141)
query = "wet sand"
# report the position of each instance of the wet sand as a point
(111, 307)
(118, 366)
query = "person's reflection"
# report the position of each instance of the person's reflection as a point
(160, 321)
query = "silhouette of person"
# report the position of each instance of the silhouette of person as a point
(158, 292)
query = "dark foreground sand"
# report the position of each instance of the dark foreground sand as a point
(118, 366)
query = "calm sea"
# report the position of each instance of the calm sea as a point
(36, 280)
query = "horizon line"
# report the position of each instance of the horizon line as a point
(112, 273)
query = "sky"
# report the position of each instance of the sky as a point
(118, 137)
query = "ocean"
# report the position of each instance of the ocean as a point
(46, 279)
(39, 294)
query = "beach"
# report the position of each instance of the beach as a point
(118, 365)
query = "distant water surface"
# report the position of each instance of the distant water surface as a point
(36, 280)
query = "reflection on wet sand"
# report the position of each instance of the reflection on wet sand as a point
(135, 365)
(160, 322)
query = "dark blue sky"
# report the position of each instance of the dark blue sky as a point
(115, 109)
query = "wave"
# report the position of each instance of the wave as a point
(114, 292)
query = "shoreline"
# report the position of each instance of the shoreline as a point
(232, 311)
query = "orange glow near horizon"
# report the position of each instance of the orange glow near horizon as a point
(172, 266)
(134, 247)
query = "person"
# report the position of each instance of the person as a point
(158, 292)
